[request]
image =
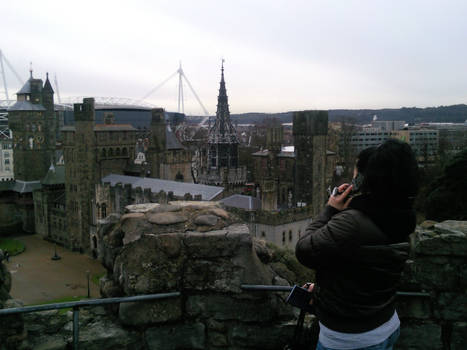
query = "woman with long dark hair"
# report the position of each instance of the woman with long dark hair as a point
(358, 246)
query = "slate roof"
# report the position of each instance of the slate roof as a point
(114, 127)
(26, 106)
(171, 141)
(242, 202)
(156, 185)
(55, 175)
(26, 89)
(25, 186)
(287, 151)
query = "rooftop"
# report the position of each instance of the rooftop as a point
(242, 202)
(179, 189)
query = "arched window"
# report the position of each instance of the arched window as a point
(104, 210)
(111, 153)
(125, 151)
(179, 176)
(104, 153)
(117, 152)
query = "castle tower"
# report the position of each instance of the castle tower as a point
(310, 129)
(157, 145)
(222, 149)
(269, 184)
(81, 173)
(34, 127)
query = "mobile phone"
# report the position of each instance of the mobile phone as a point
(335, 192)
(300, 297)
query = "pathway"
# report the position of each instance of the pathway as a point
(37, 278)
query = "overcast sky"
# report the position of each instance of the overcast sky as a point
(279, 55)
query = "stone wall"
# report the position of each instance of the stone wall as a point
(199, 249)
(202, 251)
(12, 332)
(438, 266)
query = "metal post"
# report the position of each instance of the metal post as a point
(75, 328)
(89, 291)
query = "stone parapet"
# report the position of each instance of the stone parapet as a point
(438, 266)
(205, 252)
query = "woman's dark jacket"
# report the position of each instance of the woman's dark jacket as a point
(358, 262)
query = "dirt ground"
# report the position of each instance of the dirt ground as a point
(37, 278)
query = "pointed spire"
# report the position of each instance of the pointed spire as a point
(222, 129)
(47, 85)
(30, 69)
(52, 167)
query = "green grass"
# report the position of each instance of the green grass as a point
(12, 246)
(95, 278)
(62, 300)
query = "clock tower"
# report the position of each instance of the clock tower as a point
(34, 126)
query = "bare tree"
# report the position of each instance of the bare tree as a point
(347, 152)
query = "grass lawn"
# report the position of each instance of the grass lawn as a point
(95, 278)
(62, 300)
(12, 246)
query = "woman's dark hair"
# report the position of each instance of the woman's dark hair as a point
(362, 159)
(390, 171)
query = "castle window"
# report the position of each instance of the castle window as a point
(283, 237)
(111, 153)
(117, 153)
(179, 177)
(290, 235)
(104, 211)
(104, 154)
(125, 152)
(263, 234)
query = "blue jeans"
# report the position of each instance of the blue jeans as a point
(385, 345)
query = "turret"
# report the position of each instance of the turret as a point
(158, 130)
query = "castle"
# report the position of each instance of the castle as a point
(69, 178)
(56, 169)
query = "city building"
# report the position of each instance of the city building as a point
(424, 142)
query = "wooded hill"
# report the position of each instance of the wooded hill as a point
(444, 114)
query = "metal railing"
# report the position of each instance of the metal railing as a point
(266, 288)
(76, 305)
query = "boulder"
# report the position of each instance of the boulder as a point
(206, 220)
(133, 226)
(147, 313)
(448, 238)
(166, 218)
(141, 208)
(174, 337)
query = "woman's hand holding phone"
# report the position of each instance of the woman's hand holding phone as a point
(342, 200)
